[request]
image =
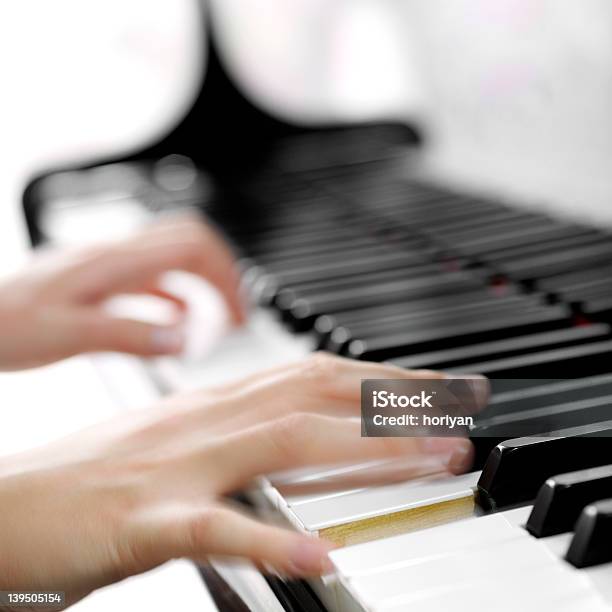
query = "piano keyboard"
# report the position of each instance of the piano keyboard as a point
(352, 516)
(491, 562)
(359, 261)
(378, 268)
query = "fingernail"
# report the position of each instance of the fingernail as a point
(482, 391)
(454, 454)
(462, 458)
(310, 557)
(167, 340)
(478, 384)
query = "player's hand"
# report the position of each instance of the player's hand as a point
(129, 495)
(56, 308)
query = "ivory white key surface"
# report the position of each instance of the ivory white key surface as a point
(532, 590)
(375, 501)
(384, 555)
(510, 558)
(491, 560)
(467, 599)
(599, 577)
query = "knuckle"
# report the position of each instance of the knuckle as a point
(392, 447)
(96, 331)
(188, 248)
(201, 529)
(321, 367)
(291, 435)
(194, 233)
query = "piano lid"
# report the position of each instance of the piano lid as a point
(224, 130)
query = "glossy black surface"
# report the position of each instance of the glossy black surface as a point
(562, 498)
(516, 469)
(591, 542)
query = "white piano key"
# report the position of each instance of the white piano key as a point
(518, 516)
(384, 555)
(508, 559)
(289, 501)
(542, 592)
(522, 573)
(314, 484)
(321, 513)
(491, 558)
(600, 578)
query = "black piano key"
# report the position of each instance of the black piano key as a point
(561, 499)
(286, 296)
(455, 236)
(433, 211)
(309, 256)
(425, 219)
(597, 291)
(296, 235)
(498, 217)
(516, 469)
(558, 392)
(593, 533)
(401, 344)
(435, 322)
(489, 432)
(492, 217)
(543, 247)
(571, 362)
(483, 245)
(291, 239)
(578, 291)
(500, 349)
(598, 308)
(480, 296)
(483, 297)
(559, 282)
(303, 312)
(592, 304)
(393, 238)
(277, 223)
(337, 269)
(531, 269)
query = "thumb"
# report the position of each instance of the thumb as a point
(176, 531)
(99, 331)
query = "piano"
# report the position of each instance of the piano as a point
(350, 245)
